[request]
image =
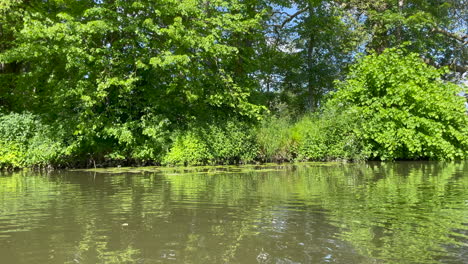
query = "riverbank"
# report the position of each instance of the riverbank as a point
(410, 113)
(275, 139)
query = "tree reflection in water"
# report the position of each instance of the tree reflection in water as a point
(412, 212)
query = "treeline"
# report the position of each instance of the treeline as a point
(86, 83)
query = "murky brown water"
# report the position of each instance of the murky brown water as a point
(409, 212)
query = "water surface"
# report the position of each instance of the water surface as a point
(408, 212)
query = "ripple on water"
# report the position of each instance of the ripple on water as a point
(375, 213)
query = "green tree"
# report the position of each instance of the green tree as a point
(437, 30)
(403, 108)
(310, 44)
(118, 74)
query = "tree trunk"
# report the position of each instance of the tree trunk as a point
(399, 28)
(311, 84)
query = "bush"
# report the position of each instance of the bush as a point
(189, 149)
(225, 142)
(12, 155)
(26, 142)
(43, 150)
(274, 140)
(231, 142)
(144, 140)
(18, 128)
(311, 141)
(403, 108)
(327, 136)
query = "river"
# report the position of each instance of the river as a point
(402, 212)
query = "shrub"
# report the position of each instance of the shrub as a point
(308, 134)
(43, 150)
(26, 142)
(220, 143)
(12, 155)
(188, 149)
(274, 139)
(18, 127)
(144, 140)
(230, 142)
(327, 136)
(404, 110)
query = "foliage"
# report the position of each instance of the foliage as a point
(432, 28)
(328, 136)
(26, 141)
(120, 75)
(109, 82)
(12, 155)
(274, 139)
(310, 44)
(189, 149)
(215, 143)
(18, 127)
(405, 110)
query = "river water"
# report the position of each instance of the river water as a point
(403, 212)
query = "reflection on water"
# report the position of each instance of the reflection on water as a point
(306, 213)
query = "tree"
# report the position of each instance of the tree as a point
(310, 44)
(436, 29)
(406, 111)
(118, 73)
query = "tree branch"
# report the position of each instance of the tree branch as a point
(452, 66)
(462, 38)
(291, 17)
(279, 12)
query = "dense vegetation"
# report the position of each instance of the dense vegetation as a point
(87, 83)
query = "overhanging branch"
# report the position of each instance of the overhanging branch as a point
(453, 66)
(462, 38)
(290, 18)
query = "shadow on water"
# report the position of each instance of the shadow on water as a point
(404, 212)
